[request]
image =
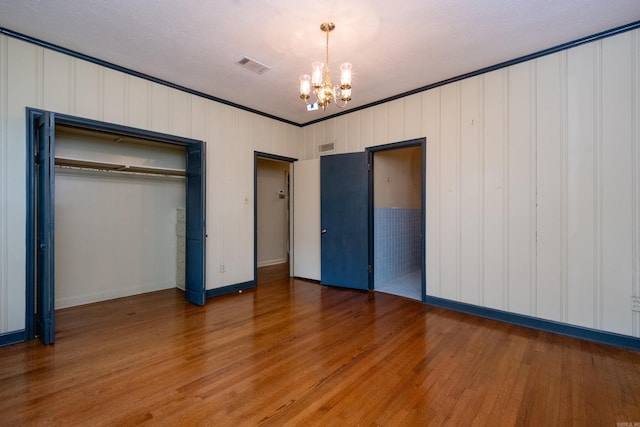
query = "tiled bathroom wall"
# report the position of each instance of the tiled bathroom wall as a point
(396, 242)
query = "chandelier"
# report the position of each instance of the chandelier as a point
(320, 81)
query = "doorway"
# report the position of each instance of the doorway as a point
(351, 255)
(272, 216)
(40, 250)
(118, 230)
(398, 221)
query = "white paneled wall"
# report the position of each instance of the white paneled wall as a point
(495, 191)
(23, 82)
(533, 173)
(533, 182)
(31, 76)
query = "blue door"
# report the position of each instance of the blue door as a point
(45, 173)
(195, 288)
(344, 212)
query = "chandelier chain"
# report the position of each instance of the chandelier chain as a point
(327, 50)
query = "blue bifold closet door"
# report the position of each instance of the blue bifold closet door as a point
(43, 209)
(45, 194)
(195, 228)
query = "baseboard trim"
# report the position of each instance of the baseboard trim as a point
(230, 289)
(580, 332)
(272, 262)
(15, 337)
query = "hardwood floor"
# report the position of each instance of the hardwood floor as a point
(273, 272)
(293, 352)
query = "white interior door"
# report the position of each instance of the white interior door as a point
(306, 219)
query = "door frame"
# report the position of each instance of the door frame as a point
(267, 156)
(32, 117)
(417, 142)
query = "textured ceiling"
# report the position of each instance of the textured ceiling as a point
(394, 47)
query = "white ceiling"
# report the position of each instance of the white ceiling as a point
(394, 47)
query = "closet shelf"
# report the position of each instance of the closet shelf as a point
(115, 167)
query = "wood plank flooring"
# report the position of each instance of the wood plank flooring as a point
(293, 352)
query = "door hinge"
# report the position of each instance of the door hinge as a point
(369, 167)
(370, 269)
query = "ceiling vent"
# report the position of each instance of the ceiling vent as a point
(326, 148)
(253, 65)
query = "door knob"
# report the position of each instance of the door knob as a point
(324, 230)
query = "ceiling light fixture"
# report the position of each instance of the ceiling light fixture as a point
(320, 82)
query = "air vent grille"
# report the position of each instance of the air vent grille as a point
(253, 65)
(326, 148)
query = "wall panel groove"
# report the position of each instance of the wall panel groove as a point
(126, 108)
(636, 180)
(505, 191)
(4, 200)
(597, 123)
(481, 190)
(73, 108)
(533, 192)
(564, 303)
(40, 72)
(101, 96)
(457, 130)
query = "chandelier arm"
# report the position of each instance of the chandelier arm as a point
(340, 106)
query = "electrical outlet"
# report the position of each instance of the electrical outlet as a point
(221, 268)
(635, 303)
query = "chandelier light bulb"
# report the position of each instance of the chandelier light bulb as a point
(345, 76)
(317, 71)
(305, 86)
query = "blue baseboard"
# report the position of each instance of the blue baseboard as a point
(230, 289)
(9, 338)
(609, 338)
